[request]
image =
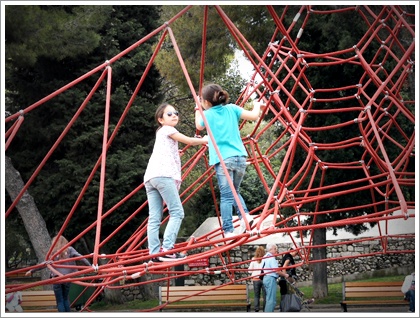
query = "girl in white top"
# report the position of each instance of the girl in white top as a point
(162, 181)
(13, 301)
(255, 270)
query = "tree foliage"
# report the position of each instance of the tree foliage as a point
(57, 32)
(99, 33)
(188, 33)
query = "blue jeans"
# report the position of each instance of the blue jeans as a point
(410, 295)
(61, 292)
(270, 286)
(236, 167)
(161, 190)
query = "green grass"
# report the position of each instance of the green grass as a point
(334, 297)
(334, 294)
(127, 306)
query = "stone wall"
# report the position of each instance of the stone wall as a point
(345, 262)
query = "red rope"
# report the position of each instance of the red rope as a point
(284, 72)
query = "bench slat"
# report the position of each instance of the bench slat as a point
(40, 310)
(207, 293)
(384, 301)
(376, 294)
(372, 284)
(44, 303)
(38, 297)
(201, 288)
(374, 289)
(37, 292)
(172, 298)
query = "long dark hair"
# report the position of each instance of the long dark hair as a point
(215, 95)
(159, 113)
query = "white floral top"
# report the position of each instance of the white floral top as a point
(165, 160)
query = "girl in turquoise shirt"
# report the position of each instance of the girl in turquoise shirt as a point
(223, 120)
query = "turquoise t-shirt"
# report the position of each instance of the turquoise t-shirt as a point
(223, 122)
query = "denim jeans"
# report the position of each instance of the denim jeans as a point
(270, 286)
(161, 190)
(236, 167)
(410, 295)
(258, 288)
(61, 292)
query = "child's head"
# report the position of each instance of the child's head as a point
(60, 241)
(166, 115)
(213, 94)
(293, 252)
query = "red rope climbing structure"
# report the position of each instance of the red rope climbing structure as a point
(379, 120)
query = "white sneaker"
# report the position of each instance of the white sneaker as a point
(229, 237)
(242, 227)
(250, 220)
(229, 234)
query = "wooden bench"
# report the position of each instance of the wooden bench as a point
(372, 293)
(201, 297)
(38, 301)
(21, 277)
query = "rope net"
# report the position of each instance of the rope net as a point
(372, 121)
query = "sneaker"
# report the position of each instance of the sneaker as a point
(172, 257)
(229, 234)
(229, 237)
(250, 220)
(163, 250)
(155, 260)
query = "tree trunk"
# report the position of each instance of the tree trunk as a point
(34, 223)
(320, 281)
(113, 296)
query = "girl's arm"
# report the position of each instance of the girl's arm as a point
(29, 272)
(252, 114)
(189, 140)
(74, 253)
(283, 272)
(198, 120)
